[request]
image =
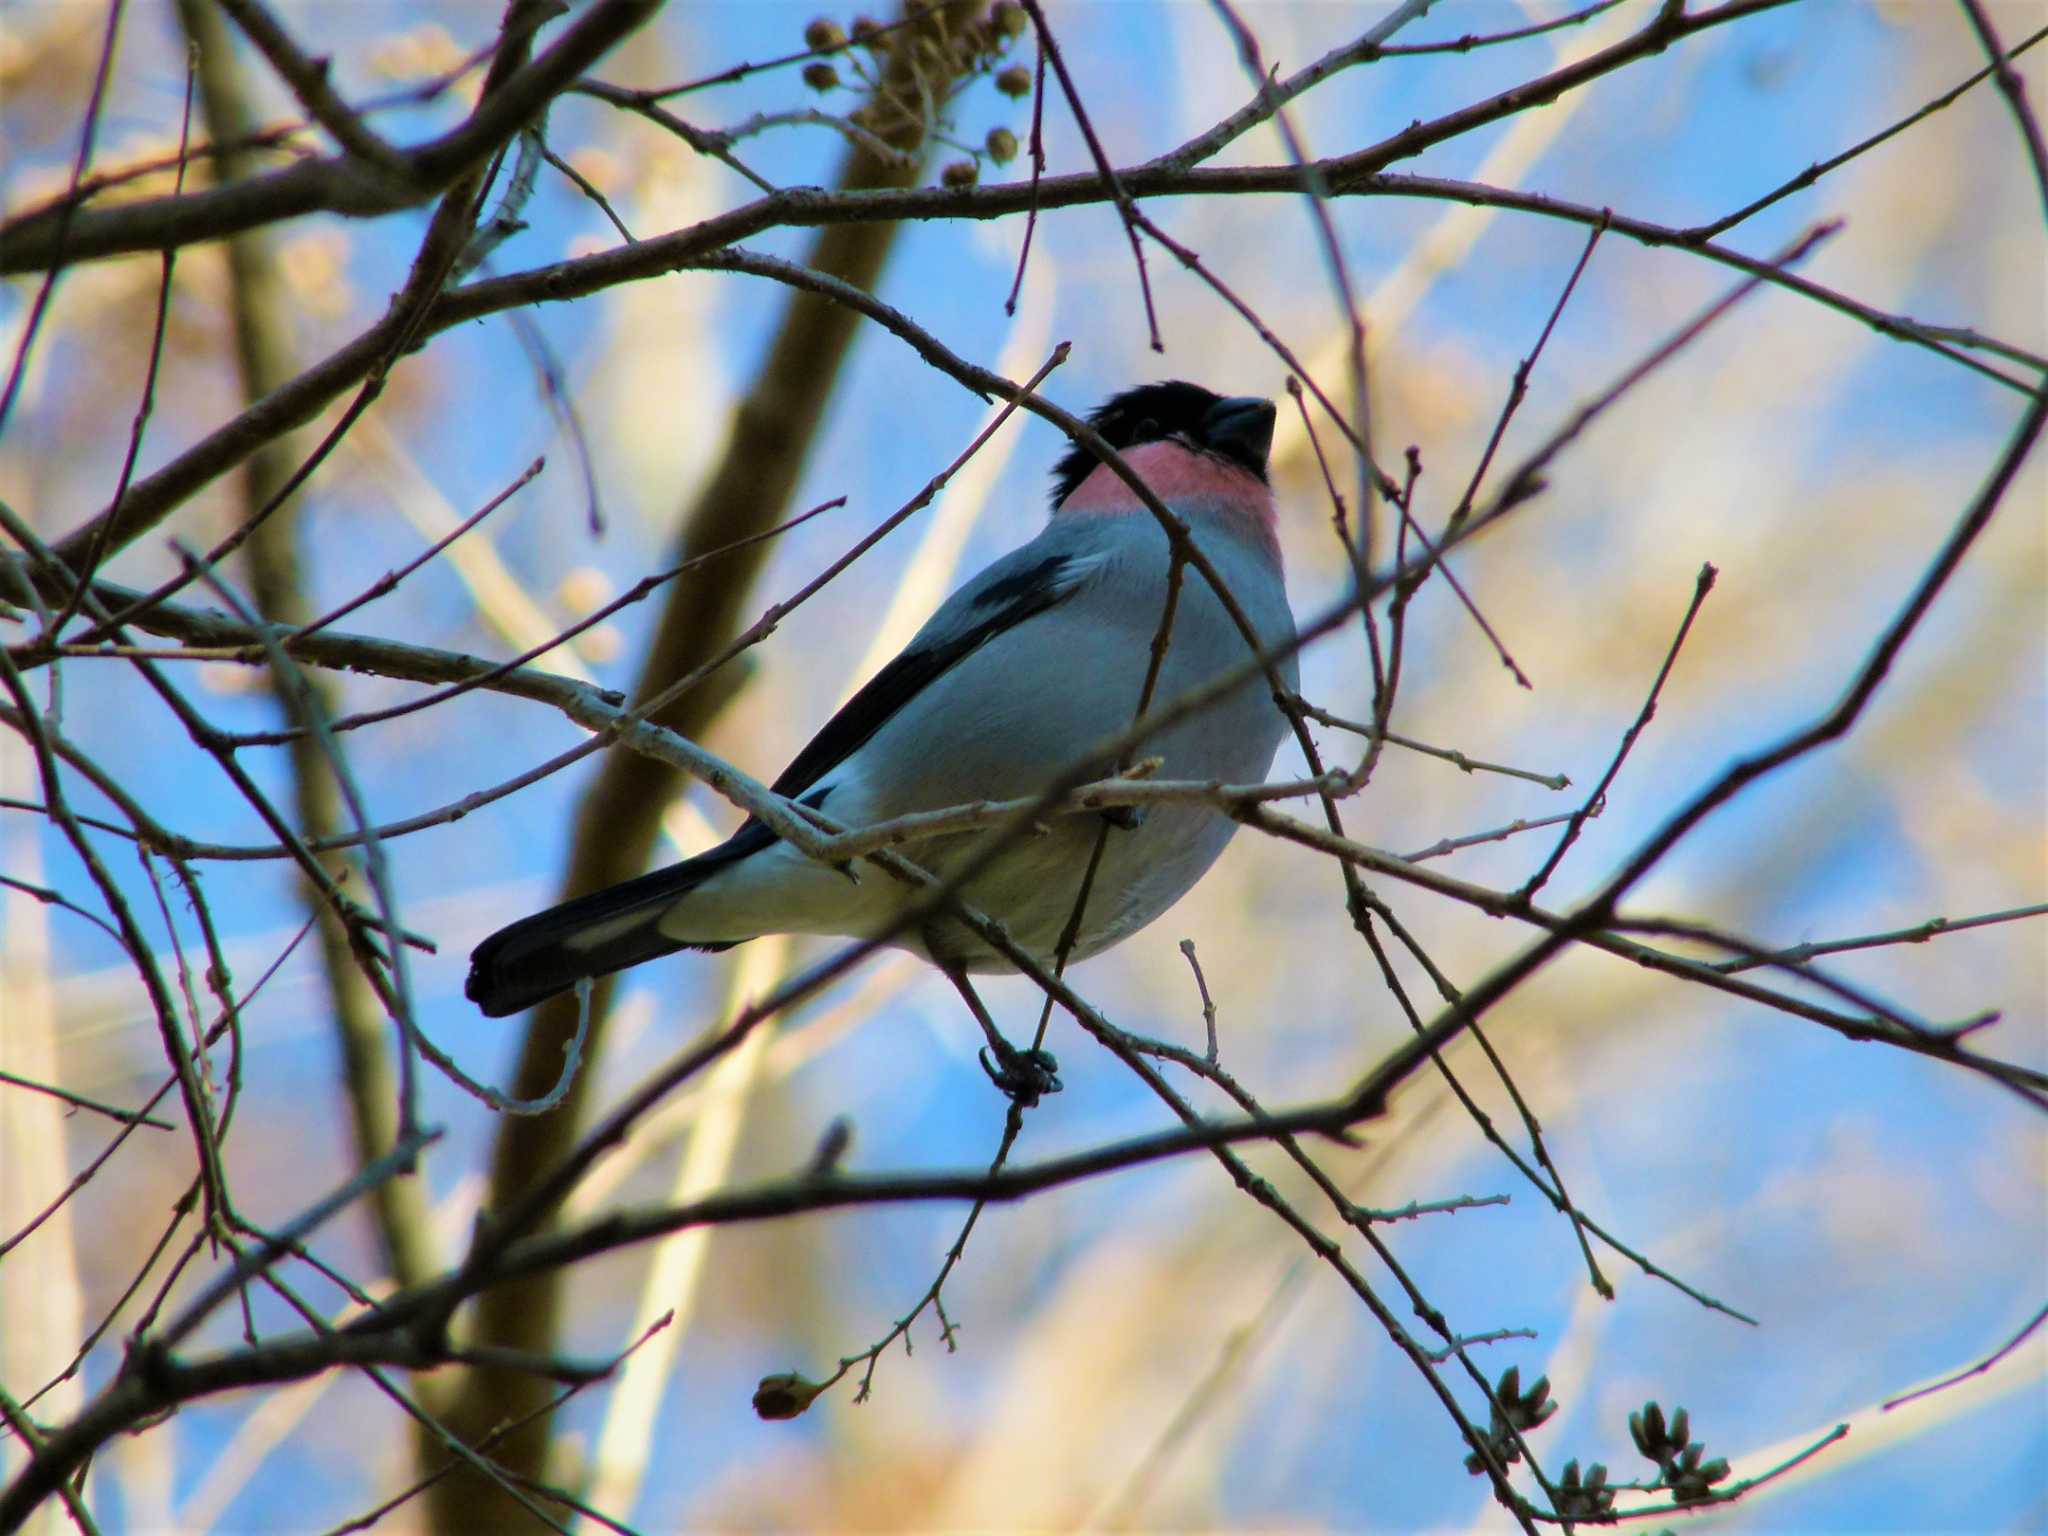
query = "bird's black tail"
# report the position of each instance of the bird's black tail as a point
(593, 935)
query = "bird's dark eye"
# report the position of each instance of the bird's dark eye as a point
(1148, 431)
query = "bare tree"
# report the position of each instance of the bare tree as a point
(1661, 385)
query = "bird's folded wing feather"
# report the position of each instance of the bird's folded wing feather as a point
(1026, 582)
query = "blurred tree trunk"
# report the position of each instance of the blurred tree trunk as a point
(259, 306)
(748, 490)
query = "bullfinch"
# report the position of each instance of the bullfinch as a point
(1036, 659)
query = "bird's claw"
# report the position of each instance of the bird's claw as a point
(1125, 818)
(1023, 1076)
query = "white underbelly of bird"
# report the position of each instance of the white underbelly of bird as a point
(1031, 886)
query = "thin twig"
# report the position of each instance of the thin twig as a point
(65, 212)
(1037, 175)
(1519, 387)
(389, 581)
(1125, 208)
(1919, 933)
(1598, 798)
(168, 265)
(1187, 947)
(1501, 834)
(583, 184)
(2027, 1331)
(1820, 168)
(69, 1096)
(308, 79)
(1464, 763)
(2014, 90)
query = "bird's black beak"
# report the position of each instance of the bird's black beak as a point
(1241, 428)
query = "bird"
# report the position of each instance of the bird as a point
(1029, 665)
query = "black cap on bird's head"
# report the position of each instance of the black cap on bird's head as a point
(1237, 429)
